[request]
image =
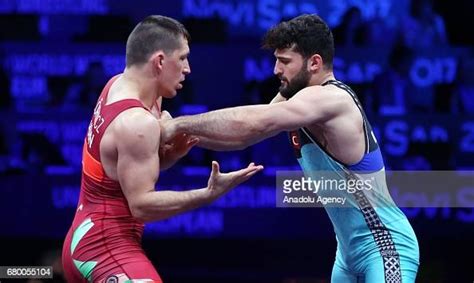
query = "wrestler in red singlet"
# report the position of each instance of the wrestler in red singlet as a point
(104, 241)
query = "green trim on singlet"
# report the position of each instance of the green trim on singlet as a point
(80, 231)
(85, 268)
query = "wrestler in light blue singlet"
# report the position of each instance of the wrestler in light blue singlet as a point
(375, 241)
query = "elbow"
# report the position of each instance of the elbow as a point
(142, 214)
(146, 214)
(139, 213)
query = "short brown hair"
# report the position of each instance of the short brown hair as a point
(152, 34)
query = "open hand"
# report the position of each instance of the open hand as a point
(220, 183)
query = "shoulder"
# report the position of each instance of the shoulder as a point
(324, 95)
(136, 126)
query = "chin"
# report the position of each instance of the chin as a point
(171, 94)
(168, 93)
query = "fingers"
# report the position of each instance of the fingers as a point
(253, 166)
(247, 174)
(250, 170)
(185, 139)
(192, 142)
(254, 171)
(215, 168)
(185, 142)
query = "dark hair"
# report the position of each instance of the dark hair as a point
(152, 34)
(309, 35)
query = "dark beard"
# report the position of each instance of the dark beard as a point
(300, 81)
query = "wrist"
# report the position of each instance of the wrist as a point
(209, 195)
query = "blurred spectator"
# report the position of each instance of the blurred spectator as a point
(85, 92)
(390, 89)
(423, 27)
(350, 30)
(376, 32)
(462, 100)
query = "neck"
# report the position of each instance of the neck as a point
(324, 77)
(141, 84)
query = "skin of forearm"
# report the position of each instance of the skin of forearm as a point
(220, 145)
(159, 205)
(235, 125)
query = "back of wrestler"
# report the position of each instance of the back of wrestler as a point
(104, 240)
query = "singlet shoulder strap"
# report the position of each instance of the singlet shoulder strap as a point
(104, 115)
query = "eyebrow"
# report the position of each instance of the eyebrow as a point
(282, 57)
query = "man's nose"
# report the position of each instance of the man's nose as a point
(277, 70)
(187, 68)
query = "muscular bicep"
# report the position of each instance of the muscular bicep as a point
(138, 160)
(311, 105)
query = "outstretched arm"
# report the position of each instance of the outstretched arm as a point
(246, 125)
(223, 145)
(278, 98)
(138, 171)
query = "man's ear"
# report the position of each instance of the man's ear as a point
(157, 60)
(315, 63)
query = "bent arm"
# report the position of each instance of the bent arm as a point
(138, 171)
(247, 125)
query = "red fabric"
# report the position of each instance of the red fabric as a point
(114, 241)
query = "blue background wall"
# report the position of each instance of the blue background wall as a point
(56, 54)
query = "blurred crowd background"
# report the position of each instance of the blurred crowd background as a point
(411, 62)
